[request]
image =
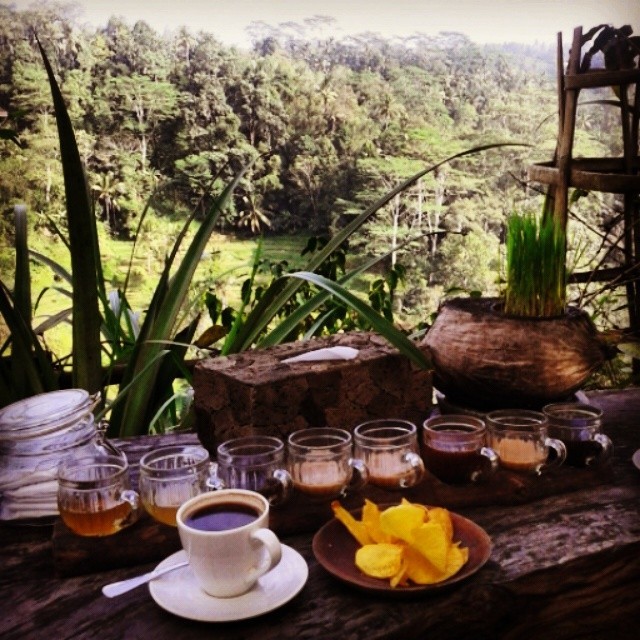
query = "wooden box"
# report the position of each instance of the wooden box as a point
(256, 393)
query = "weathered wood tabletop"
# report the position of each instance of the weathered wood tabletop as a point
(565, 563)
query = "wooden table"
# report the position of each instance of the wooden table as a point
(565, 565)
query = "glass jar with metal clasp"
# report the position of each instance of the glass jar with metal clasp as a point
(36, 434)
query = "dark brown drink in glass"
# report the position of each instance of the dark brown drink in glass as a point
(578, 425)
(454, 449)
(453, 467)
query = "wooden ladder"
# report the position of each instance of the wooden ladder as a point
(610, 175)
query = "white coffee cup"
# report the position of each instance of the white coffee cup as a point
(226, 537)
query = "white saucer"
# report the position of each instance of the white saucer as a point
(636, 459)
(179, 593)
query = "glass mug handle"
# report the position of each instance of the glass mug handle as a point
(131, 497)
(277, 491)
(359, 475)
(417, 469)
(492, 457)
(607, 448)
(560, 451)
(214, 481)
(279, 487)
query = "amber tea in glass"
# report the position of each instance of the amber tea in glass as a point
(170, 476)
(94, 498)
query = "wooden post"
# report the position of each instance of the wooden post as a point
(569, 100)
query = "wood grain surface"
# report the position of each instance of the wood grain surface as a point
(563, 565)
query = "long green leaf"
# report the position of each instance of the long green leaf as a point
(22, 297)
(239, 319)
(382, 326)
(273, 300)
(52, 321)
(284, 328)
(161, 317)
(141, 221)
(87, 373)
(56, 267)
(22, 285)
(37, 369)
(123, 392)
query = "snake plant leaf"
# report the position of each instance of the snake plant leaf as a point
(128, 417)
(38, 372)
(87, 372)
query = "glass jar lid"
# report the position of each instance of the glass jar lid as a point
(44, 413)
(71, 436)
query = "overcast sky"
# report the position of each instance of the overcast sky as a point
(481, 20)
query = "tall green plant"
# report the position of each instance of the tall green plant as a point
(256, 329)
(536, 266)
(157, 355)
(86, 268)
(25, 367)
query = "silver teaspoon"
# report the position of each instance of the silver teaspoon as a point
(118, 588)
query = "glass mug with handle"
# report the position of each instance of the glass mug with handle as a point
(255, 463)
(94, 494)
(170, 475)
(579, 425)
(390, 449)
(321, 463)
(520, 438)
(455, 449)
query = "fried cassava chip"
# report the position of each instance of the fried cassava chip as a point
(401, 521)
(380, 560)
(371, 521)
(356, 528)
(406, 542)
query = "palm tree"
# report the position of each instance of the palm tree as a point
(107, 192)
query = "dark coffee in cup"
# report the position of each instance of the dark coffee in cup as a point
(582, 453)
(454, 467)
(455, 449)
(226, 537)
(578, 425)
(221, 517)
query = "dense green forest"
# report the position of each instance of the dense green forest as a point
(331, 124)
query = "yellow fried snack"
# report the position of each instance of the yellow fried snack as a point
(442, 517)
(431, 542)
(404, 543)
(400, 521)
(356, 528)
(400, 578)
(380, 560)
(419, 569)
(456, 559)
(371, 521)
